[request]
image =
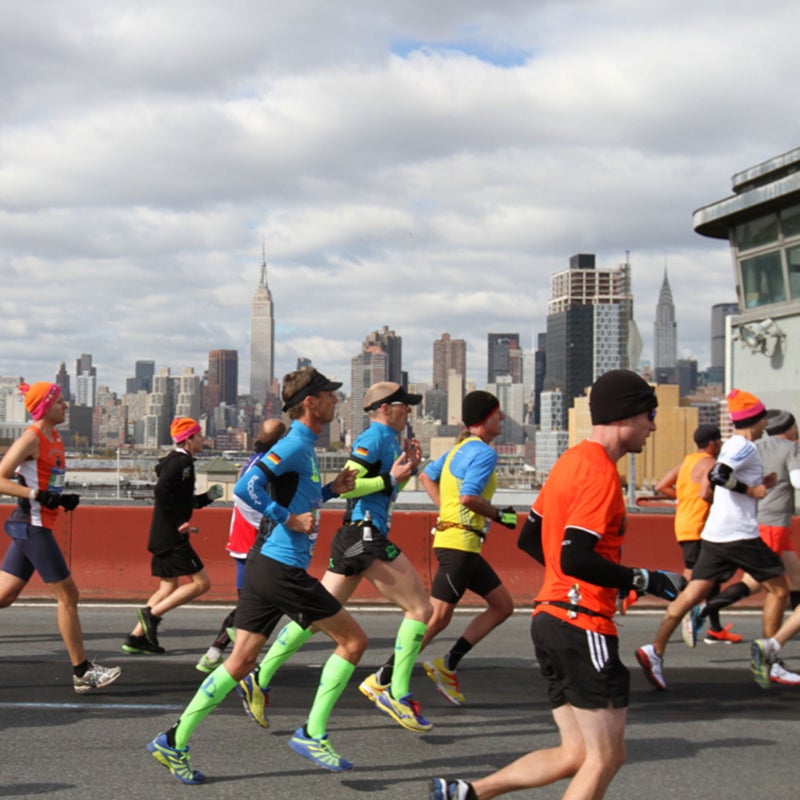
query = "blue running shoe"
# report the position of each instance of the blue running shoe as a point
(691, 625)
(319, 751)
(441, 789)
(175, 760)
(254, 699)
(405, 711)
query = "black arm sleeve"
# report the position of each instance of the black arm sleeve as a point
(530, 537)
(579, 559)
(722, 475)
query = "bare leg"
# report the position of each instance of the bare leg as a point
(592, 749)
(69, 624)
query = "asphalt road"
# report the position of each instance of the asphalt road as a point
(714, 734)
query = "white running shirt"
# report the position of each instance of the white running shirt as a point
(734, 515)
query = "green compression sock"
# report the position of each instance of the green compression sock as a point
(213, 690)
(291, 638)
(406, 650)
(335, 675)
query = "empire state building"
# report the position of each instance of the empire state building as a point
(262, 338)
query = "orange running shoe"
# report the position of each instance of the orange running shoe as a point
(725, 636)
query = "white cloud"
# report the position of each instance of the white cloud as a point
(425, 166)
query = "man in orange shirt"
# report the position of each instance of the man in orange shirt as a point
(576, 528)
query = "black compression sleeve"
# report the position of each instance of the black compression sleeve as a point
(530, 537)
(722, 475)
(579, 559)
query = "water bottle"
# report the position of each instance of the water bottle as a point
(366, 529)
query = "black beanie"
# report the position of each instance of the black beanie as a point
(477, 406)
(620, 394)
(778, 421)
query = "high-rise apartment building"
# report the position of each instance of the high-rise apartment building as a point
(448, 354)
(380, 359)
(589, 326)
(262, 338)
(665, 330)
(85, 381)
(503, 356)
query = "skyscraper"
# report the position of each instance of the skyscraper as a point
(448, 354)
(380, 359)
(589, 326)
(143, 377)
(62, 381)
(665, 330)
(716, 372)
(503, 356)
(262, 337)
(223, 377)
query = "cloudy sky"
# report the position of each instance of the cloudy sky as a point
(422, 165)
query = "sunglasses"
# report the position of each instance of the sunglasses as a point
(651, 415)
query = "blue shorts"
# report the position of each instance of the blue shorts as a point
(38, 553)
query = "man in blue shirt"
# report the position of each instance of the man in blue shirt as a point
(285, 486)
(361, 549)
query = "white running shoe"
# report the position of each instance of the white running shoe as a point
(652, 665)
(779, 674)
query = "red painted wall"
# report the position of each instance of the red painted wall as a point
(106, 548)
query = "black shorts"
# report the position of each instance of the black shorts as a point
(272, 589)
(581, 667)
(691, 552)
(351, 555)
(718, 561)
(176, 563)
(458, 571)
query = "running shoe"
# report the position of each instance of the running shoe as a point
(370, 687)
(175, 760)
(254, 699)
(691, 625)
(138, 645)
(209, 662)
(652, 665)
(441, 789)
(96, 677)
(779, 674)
(446, 680)
(149, 623)
(319, 751)
(405, 711)
(762, 657)
(725, 635)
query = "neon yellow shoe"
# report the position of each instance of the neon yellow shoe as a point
(446, 680)
(370, 687)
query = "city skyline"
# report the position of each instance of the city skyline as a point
(426, 166)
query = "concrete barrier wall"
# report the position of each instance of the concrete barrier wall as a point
(106, 548)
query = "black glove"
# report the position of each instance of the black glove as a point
(667, 585)
(51, 500)
(507, 517)
(69, 502)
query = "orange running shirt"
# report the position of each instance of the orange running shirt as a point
(691, 510)
(46, 472)
(582, 491)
